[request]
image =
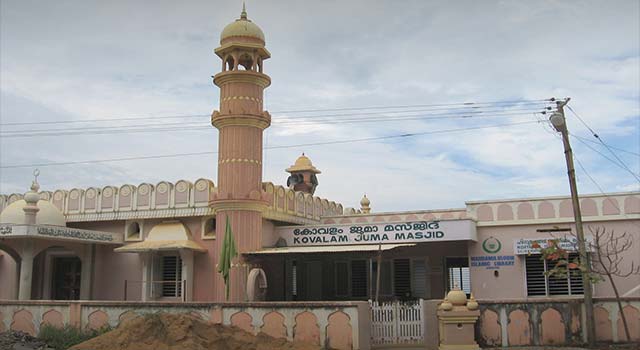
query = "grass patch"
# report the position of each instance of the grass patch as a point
(68, 336)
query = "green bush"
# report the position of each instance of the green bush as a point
(68, 336)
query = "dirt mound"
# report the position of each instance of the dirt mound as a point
(11, 340)
(173, 332)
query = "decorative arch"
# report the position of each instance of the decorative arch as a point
(525, 211)
(273, 325)
(546, 210)
(339, 331)
(485, 213)
(242, 320)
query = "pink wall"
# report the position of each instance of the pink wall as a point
(510, 282)
(8, 276)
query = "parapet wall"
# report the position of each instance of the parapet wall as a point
(169, 200)
(557, 322)
(335, 325)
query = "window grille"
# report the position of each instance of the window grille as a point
(294, 279)
(359, 278)
(539, 284)
(342, 279)
(171, 276)
(402, 277)
(419, 279)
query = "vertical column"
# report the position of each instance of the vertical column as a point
(187, 273)
(146, 276)
(86, 272)
(26, 271)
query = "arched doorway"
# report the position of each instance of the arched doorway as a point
(57, 274)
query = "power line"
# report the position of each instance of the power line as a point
(461, 105)
(328, 118)
(406, 135)
(612, 147)
(613, 202)
(622, 163)
(603, 156)
(428, 105)
(145, 128)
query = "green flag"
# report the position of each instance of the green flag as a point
(226, 255)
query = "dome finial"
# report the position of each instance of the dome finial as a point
(243, 14)
(35, 186)
(364, 205)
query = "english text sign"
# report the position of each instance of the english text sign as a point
(402, 232)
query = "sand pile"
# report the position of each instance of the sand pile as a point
(173, 332)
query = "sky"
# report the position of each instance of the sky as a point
(86, 60)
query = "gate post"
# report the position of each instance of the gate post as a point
(457, 318)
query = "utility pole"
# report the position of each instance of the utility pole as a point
(558, 121)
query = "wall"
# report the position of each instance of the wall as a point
(511, 283)
(8, 277)
(552, 322)
(342, 325)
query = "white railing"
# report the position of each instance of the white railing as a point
(397, 322)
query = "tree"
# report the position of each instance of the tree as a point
(607, 261)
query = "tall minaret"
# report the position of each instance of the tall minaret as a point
(241, 121)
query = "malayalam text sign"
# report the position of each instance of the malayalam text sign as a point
(403, 232)
(524, 246)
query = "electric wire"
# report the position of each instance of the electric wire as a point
(460, 105)
(322, 143)
(604, 156)
(190, 127)
(622, 163)
(611, 200)
(287, 120)
(612, 147)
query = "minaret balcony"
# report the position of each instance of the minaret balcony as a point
(242, 76)
(261, 121)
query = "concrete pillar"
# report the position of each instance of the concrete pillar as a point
(86, 273)
(187, 273)
(26, 271)
(146, 276)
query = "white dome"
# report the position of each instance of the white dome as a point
(48, 214)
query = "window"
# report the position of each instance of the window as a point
(458, 274)
(342, 279)
(209, 228)
(419, 278)
(402, 278)
(133, 231)
(539, 284)
(385, 278)
(294, 279)
(171, 276)
(359, 278)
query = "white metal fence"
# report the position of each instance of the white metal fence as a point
(397, 322)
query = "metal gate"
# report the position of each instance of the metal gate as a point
(397, 322)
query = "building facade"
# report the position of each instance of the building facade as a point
(162, 241)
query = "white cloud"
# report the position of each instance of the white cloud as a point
(83, 60)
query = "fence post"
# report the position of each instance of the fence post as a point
(396, 321)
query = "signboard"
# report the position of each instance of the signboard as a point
(524, 246)
(59, 232)
(492, 262)
(402, 232)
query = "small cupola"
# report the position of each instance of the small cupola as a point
(303, 175)
(365, 205)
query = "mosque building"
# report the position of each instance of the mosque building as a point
(150, 242)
